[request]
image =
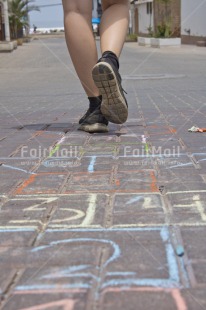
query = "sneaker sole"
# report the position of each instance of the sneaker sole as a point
(94, 128)
(113, 106)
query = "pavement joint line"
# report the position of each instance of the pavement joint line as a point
(188, 277)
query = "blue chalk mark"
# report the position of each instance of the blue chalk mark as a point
(172, 264)
(164, 234)
(51, 286)
(91, 164)
(120, 273)
(66, 271)
(16, 168)
(105, 229)
(172, 281)
(20, 229)
(180, 165)
(116, 248)
(135, 199)
(200, 154)
(171, 259)
(165, 283)
(75, 268)
(73, 275)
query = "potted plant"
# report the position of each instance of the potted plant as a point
(164, 34)
(146, 41)
(132, 37)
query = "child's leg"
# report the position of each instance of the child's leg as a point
(106, 75)
(80, 41)
(114, 25)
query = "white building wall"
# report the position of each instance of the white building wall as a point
(193, 17)
(145, 20)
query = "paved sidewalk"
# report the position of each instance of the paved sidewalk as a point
(103, 221)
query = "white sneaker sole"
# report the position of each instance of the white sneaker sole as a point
(94, 128)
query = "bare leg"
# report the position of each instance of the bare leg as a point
(114, 25)
(105, 73)
(80, 41)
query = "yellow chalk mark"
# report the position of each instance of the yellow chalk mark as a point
(147, 204)
(199, 207)
(79, 214)
(25, 221)
(73, 226)
(9, 227)
(65, 304)
(90, 210)
(195, 204)
(36, 207)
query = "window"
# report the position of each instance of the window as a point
(149, 7)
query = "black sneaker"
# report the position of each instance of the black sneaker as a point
(108, 80)
(93, 122)
(82, 119)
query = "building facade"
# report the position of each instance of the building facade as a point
(152, 13)
(186, 18)
(2, 28)
(193, 21)
(4, 21)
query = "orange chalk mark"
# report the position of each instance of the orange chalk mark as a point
(180, 302)
(173, 130)
(117, 182)
(175, 293)
(66, 304)
(50, 291)
(30, 180)
(165, 130)
(154, 182)
(44, 133)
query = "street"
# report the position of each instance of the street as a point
(102, 221)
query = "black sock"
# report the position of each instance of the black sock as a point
(94, 103)
(112, 57)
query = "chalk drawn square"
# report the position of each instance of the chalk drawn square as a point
(137, 181)
(88, 182)
(26, 212)
(137, 210)
(42, 183)
(152, 263)
(85, 210)
(138, 298)
(188, 208)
